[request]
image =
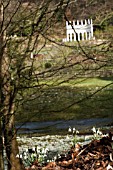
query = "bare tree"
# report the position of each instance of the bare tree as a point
(26, 33)
(22, 26)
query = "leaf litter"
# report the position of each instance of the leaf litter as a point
(97, 155)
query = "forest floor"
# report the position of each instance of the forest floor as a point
(96, 155)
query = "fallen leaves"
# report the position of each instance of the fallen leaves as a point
(97, 155)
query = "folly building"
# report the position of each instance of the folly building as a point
(79, 30)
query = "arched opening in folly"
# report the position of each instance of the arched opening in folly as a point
(80, 36)
(77, 37)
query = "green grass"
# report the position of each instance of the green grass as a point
(71, 101)
(89, 82)
(79, 82)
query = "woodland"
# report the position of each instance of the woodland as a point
(38, 27)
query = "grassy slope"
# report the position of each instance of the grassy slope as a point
(54, 103)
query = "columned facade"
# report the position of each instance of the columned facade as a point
(79, 30)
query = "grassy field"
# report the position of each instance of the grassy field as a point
(84, 98)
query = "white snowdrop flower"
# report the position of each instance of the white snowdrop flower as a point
(74, 130)
(67, 137)
(46, 150)
(99, 132)
(48, 161)
(38, 148)
(33, 148)
(17, 156)
(69, 130)
(55, 157)
(43, 150)
(94, 129)
(77, 132)
(25, 153)
(105, 135)
(26, 149)
(109, 167)
(59, 156)
(21, 156)
(25, 157)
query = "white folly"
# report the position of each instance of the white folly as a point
(79, 30)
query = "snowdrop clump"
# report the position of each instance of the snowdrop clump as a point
(97, 133)
(47, 148)
(75, 133)
(43, 149)
(28, 156)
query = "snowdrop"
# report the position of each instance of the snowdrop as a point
(17, 156)
(25, 157)
(77, 132)
(94, 130)
(69, 130)
(74, 134)
(74, 130)
(55, 157)
(99, 132)
(109, 167)
(21, 156)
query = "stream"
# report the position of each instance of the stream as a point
(61, 126)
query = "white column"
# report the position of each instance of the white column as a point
(67, 36)
(74, 37)
(67, 24)
(91, 29)
(77, 22)
(70, 36)
(73, 23)
(83, 36)
(86, 35)
(85, 22)
(89, 21)
(81, 22)
(89, 36)
(78, 36)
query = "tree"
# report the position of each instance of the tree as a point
(1, 53)
(28, 28)
(22, 26)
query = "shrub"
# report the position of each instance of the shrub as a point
(47, 65)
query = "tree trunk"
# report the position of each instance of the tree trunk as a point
(9, 131)
(1, 54)
(8, 110)
(11, 144)
(1, 147)
(7, 106)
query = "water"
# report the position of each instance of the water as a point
(60, 126)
